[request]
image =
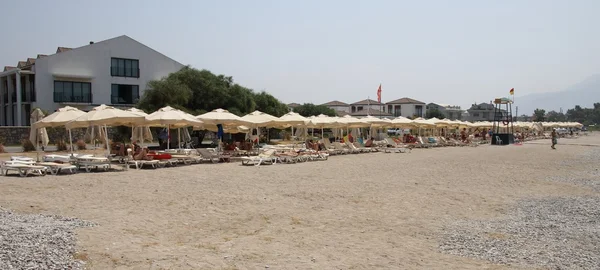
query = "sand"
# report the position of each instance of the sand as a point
(366, 211)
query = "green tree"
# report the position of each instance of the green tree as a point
(309, 109)
(539, 115)
(553, 116)
(434, 113)
(198, 91)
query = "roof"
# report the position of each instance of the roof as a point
(405, 100)
(21, 64)
(367, 102)
(62, 49)
(335, 103)
(341, 113)
(41, 56)
(7, 68)
(370, 111)
(481, 106)
(30, 61)
(293, 105)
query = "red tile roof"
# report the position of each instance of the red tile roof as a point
(21, 64)
(41, 56)
(30, 61)
(7, 68)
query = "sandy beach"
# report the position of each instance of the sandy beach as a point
(366, 211)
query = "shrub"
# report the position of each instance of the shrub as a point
(27, 145)
(61, 146)
(81, 145)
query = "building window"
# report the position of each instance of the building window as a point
(359, 108)
(120, 67)
(419, 110)
(32, 88)
(75, 92)
(475, 114)
(486, 115)
(125, 94)
(398, 110)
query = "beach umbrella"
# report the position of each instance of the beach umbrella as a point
(140, 133)
(402, 122)
(59, 118)
(222, 117)
(259, 119)
(171, 118)
(292, 119)
(37, 135)
(105, 116)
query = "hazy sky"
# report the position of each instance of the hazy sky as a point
(455, 52)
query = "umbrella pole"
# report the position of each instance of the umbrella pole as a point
(71, 141)
(106, 140)
(168, 137)
(179, 137)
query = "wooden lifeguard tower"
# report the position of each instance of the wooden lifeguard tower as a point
(503, 130)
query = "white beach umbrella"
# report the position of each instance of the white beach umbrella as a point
(140, 133)
(106, 116)
(37, 135)
(402, 122)
(59, 118)
(222, 117)
(352, 122)
(259, 119)
(172, 118)
(292, 119)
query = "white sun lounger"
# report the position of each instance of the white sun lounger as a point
(90, 162)
(55, 168)
(139, 163)
(22, 168)
(266, 157)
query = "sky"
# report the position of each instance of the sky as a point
(454, 52)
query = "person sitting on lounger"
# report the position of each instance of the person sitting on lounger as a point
(142, 155)
(118, 149)
(463, 135)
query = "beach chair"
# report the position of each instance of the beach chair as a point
(267, 157)
(55, 168)
(362, 148)
(88, 163)
(341, 149)
(211, 155)
(393, 147)
(139, 164)
(24, 169)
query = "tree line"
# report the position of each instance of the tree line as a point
(199, 91)
(585, 116)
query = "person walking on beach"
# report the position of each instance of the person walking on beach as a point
(554, 138)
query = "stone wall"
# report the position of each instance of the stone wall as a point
(14, 135)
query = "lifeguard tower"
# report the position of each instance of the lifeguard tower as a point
(503, 130)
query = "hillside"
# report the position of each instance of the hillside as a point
(584, 94)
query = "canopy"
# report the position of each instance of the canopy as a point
(323, 121)
(106, 116)
(374, 121)
(231, 130)
(352, 122)
(292, 119)
(59, 118)
(222, 117)
(168, 116)
(402, 122)
(259, 119)
(140, 133)
(37, 135)
(423, 123)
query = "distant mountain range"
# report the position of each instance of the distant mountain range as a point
(584, 94)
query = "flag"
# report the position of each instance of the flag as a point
(512, 91)
(379, 94)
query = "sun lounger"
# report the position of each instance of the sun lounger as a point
(139, 163)
(56, 168)
(22, 168)
(393, 147)
(90, 162)
(267, 157)
(212, 155)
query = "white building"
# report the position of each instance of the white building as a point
(364, 105)
(114, 72)
(449, 111)
(406, 107)
(338, 106)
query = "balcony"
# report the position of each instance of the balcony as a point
(125, 72)
(62, 98)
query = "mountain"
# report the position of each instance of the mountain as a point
(584, 94)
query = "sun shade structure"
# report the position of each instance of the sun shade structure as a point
(59, 118)
(292, 119)
(37, 135)
(106, 116)
(222, 117)
(352, 122)
(140, 133)
(172, 118)
(402, 122)
(259, 119)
